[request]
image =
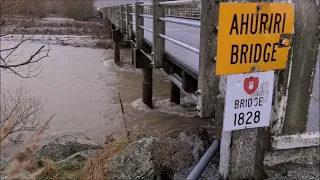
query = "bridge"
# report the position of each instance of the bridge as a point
(180, 38)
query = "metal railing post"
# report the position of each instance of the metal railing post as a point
(158, 28)
(139, 22)
(129, 19)
(191, 12)
(119, 17)
(123, 18)
(146, 71)
(113, 15)
(185, 12)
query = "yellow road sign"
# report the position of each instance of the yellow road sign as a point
(253, 36)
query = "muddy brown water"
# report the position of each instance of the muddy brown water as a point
(80, 85)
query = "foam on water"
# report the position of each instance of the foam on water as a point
(185, 109)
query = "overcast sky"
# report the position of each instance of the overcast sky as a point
(103, 3)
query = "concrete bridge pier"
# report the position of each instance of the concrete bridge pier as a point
(175, 93)
(147, 86)
(117, 38)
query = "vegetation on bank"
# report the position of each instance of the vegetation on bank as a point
(77, 9)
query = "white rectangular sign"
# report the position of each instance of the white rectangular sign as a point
(248, 100)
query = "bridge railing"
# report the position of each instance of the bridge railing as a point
(186, 12)
(129, 19)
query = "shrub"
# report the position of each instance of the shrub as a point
(76, 9)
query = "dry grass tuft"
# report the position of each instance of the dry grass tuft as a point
(49, 170)
(94, 167)
(4, 131)
(29, 149)
(31, 164)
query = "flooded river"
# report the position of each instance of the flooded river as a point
(80, 85)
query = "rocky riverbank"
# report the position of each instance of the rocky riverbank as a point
(75, 156)
(62, 31)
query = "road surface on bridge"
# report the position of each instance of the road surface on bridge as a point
(191, 36)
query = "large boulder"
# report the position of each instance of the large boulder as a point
(134, 162)
(173, 155)
(66, 145)
(152, 158)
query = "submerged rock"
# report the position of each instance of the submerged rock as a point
(65, 146)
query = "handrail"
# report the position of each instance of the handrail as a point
(187, 23)
(147, 29)
(146, 16)
(181, 2)
(146, 4)
(186, 46)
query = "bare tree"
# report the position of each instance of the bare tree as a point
(27, 67)
(27, 110)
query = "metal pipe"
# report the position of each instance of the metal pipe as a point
(181, 2)
(146, 16)
(186, 46)
(132, 23)
(132, 14)
(196, 24)
(204, 161)
(147, 29)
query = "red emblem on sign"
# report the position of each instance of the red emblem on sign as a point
(251, 84)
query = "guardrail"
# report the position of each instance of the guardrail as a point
(127, 17)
